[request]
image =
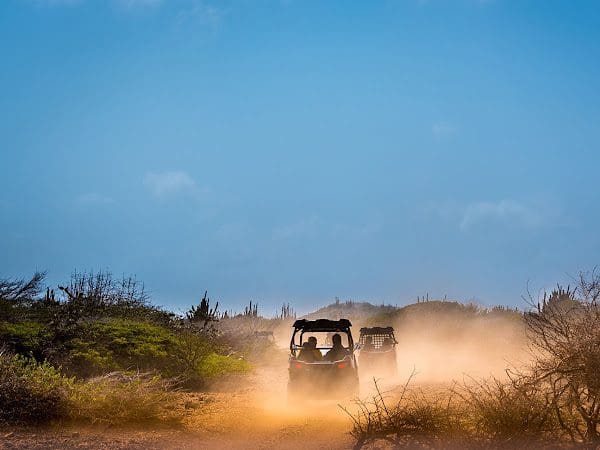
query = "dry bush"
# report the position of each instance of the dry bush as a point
(490, 413)
(564, 330)
(17, 295)
(118, 398)
(555, 398)
(410, 417)
(504, 411)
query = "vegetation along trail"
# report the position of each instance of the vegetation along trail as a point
(248, 413)
(124, 374)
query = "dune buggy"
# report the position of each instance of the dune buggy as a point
(265, 336)
(377, 350)
(317, 366)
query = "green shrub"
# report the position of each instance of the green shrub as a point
(120, 344)
(31, 392)
(127, 345)
(195, 360)
(26, 337)
(215, 365)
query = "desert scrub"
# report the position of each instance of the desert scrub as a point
(34, 392)
(488, 413)
(119, 344)
(195, 360)
(215, 365)
(27, 338)
(127, 345)
(31, 392)
(508, 410)
(120, 398)
(410, 417)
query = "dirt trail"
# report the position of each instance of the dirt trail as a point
(258, 417)
(250, 414)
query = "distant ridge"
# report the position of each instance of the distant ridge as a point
(368, 314)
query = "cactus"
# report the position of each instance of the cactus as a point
(251, 310)
(559, 296)
(287, 312)
(203, 312)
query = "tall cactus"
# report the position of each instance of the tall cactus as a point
(251, 310)
(559, 297)
(287, 312)
(203, 312)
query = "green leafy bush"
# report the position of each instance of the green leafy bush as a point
(26, 337)
(31, 392)
(128, 345)
(119, 344)
(215, 365)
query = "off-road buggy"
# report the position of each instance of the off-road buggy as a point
(377, 351)
(266, 336)
(322, 375)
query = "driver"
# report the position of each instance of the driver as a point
(306, 353)
(338, 351)
(318, 356)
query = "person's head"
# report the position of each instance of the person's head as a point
(387, 342)
(306, 345)
(336, 339)
(313, 341)
(369, 340)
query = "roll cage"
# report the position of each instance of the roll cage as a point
(302, 326)
(377, 335)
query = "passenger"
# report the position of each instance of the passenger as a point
(386, 344)
(328, 338)
(316, 352)
(368, 347)
(338, 351)
(306, 353)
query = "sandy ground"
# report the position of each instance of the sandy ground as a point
(249, 414)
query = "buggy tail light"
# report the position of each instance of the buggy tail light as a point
(297, 365)
(342, 365)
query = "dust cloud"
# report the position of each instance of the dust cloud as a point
(441, 346)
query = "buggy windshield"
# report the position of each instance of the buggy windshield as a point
(323, 331)
(323, 339)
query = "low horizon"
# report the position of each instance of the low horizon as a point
(273, 308)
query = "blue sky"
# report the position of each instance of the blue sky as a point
(302, 150)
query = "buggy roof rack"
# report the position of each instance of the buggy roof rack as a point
(322, 325)
(376, 330)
